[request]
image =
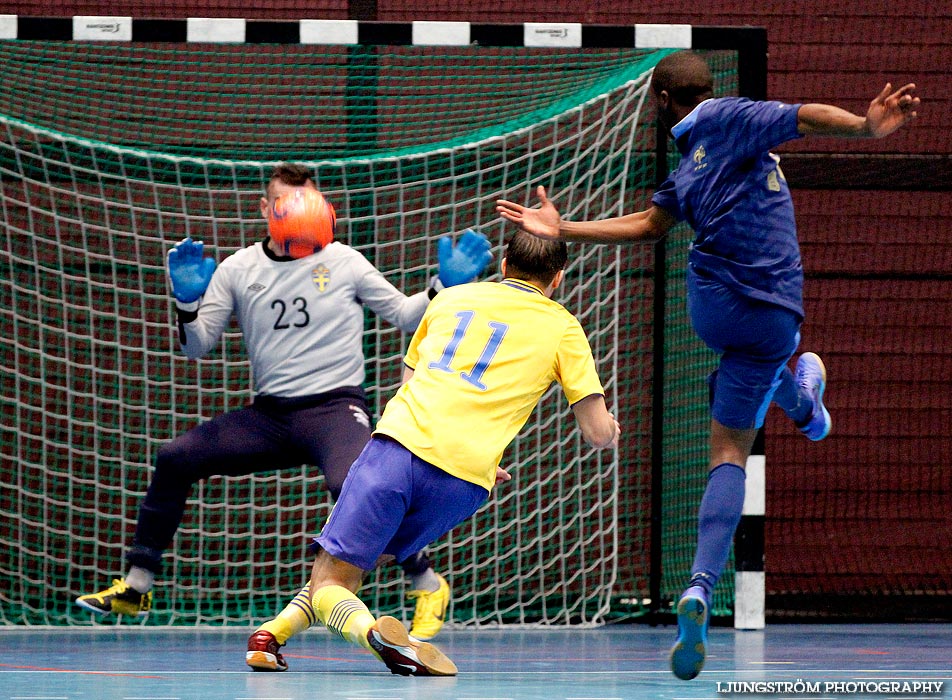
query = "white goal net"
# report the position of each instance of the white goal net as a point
(105, 169)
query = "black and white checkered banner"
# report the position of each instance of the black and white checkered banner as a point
(344, 32)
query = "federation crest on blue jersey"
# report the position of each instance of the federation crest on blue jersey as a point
(699, 155)
(321, 277)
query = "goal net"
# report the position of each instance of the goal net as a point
(110, 154)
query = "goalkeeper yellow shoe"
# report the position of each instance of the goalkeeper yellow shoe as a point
(120, 598)
(430, 611)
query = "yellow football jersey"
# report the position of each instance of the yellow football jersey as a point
(482, 357)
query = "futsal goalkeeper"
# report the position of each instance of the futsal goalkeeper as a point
(744, 281)
(299, 300)
(476, 367)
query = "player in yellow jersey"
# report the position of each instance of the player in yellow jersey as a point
(478, 364)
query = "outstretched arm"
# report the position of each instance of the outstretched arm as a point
(546, 222)
(889, 110)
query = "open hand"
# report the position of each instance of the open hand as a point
(891, 109)
(189, 271)
(464, 262)
(542, 222)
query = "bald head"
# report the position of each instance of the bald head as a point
(680, 82)
(685, 76)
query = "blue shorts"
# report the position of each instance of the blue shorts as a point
(755, 339)
(395, 503)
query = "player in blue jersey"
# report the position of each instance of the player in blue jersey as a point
(299, 299)
(477, 365)
(744, 280)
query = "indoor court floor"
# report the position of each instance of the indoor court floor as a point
(621, 662)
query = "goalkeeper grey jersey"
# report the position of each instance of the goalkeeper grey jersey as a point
(303, 319)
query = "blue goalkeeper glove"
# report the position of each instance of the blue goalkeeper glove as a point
(464, 262)
(189, 272)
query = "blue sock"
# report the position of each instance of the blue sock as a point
(717, 517)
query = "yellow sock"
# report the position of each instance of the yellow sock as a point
(343, 612)
(296, 617)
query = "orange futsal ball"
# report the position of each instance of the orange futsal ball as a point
(301, 222)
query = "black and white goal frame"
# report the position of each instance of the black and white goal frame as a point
(750, 43)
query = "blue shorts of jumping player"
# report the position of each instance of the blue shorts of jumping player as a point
(756, 339)
(395, 503)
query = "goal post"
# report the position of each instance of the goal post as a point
(112, 151)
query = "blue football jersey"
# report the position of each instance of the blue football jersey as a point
(729, 188)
